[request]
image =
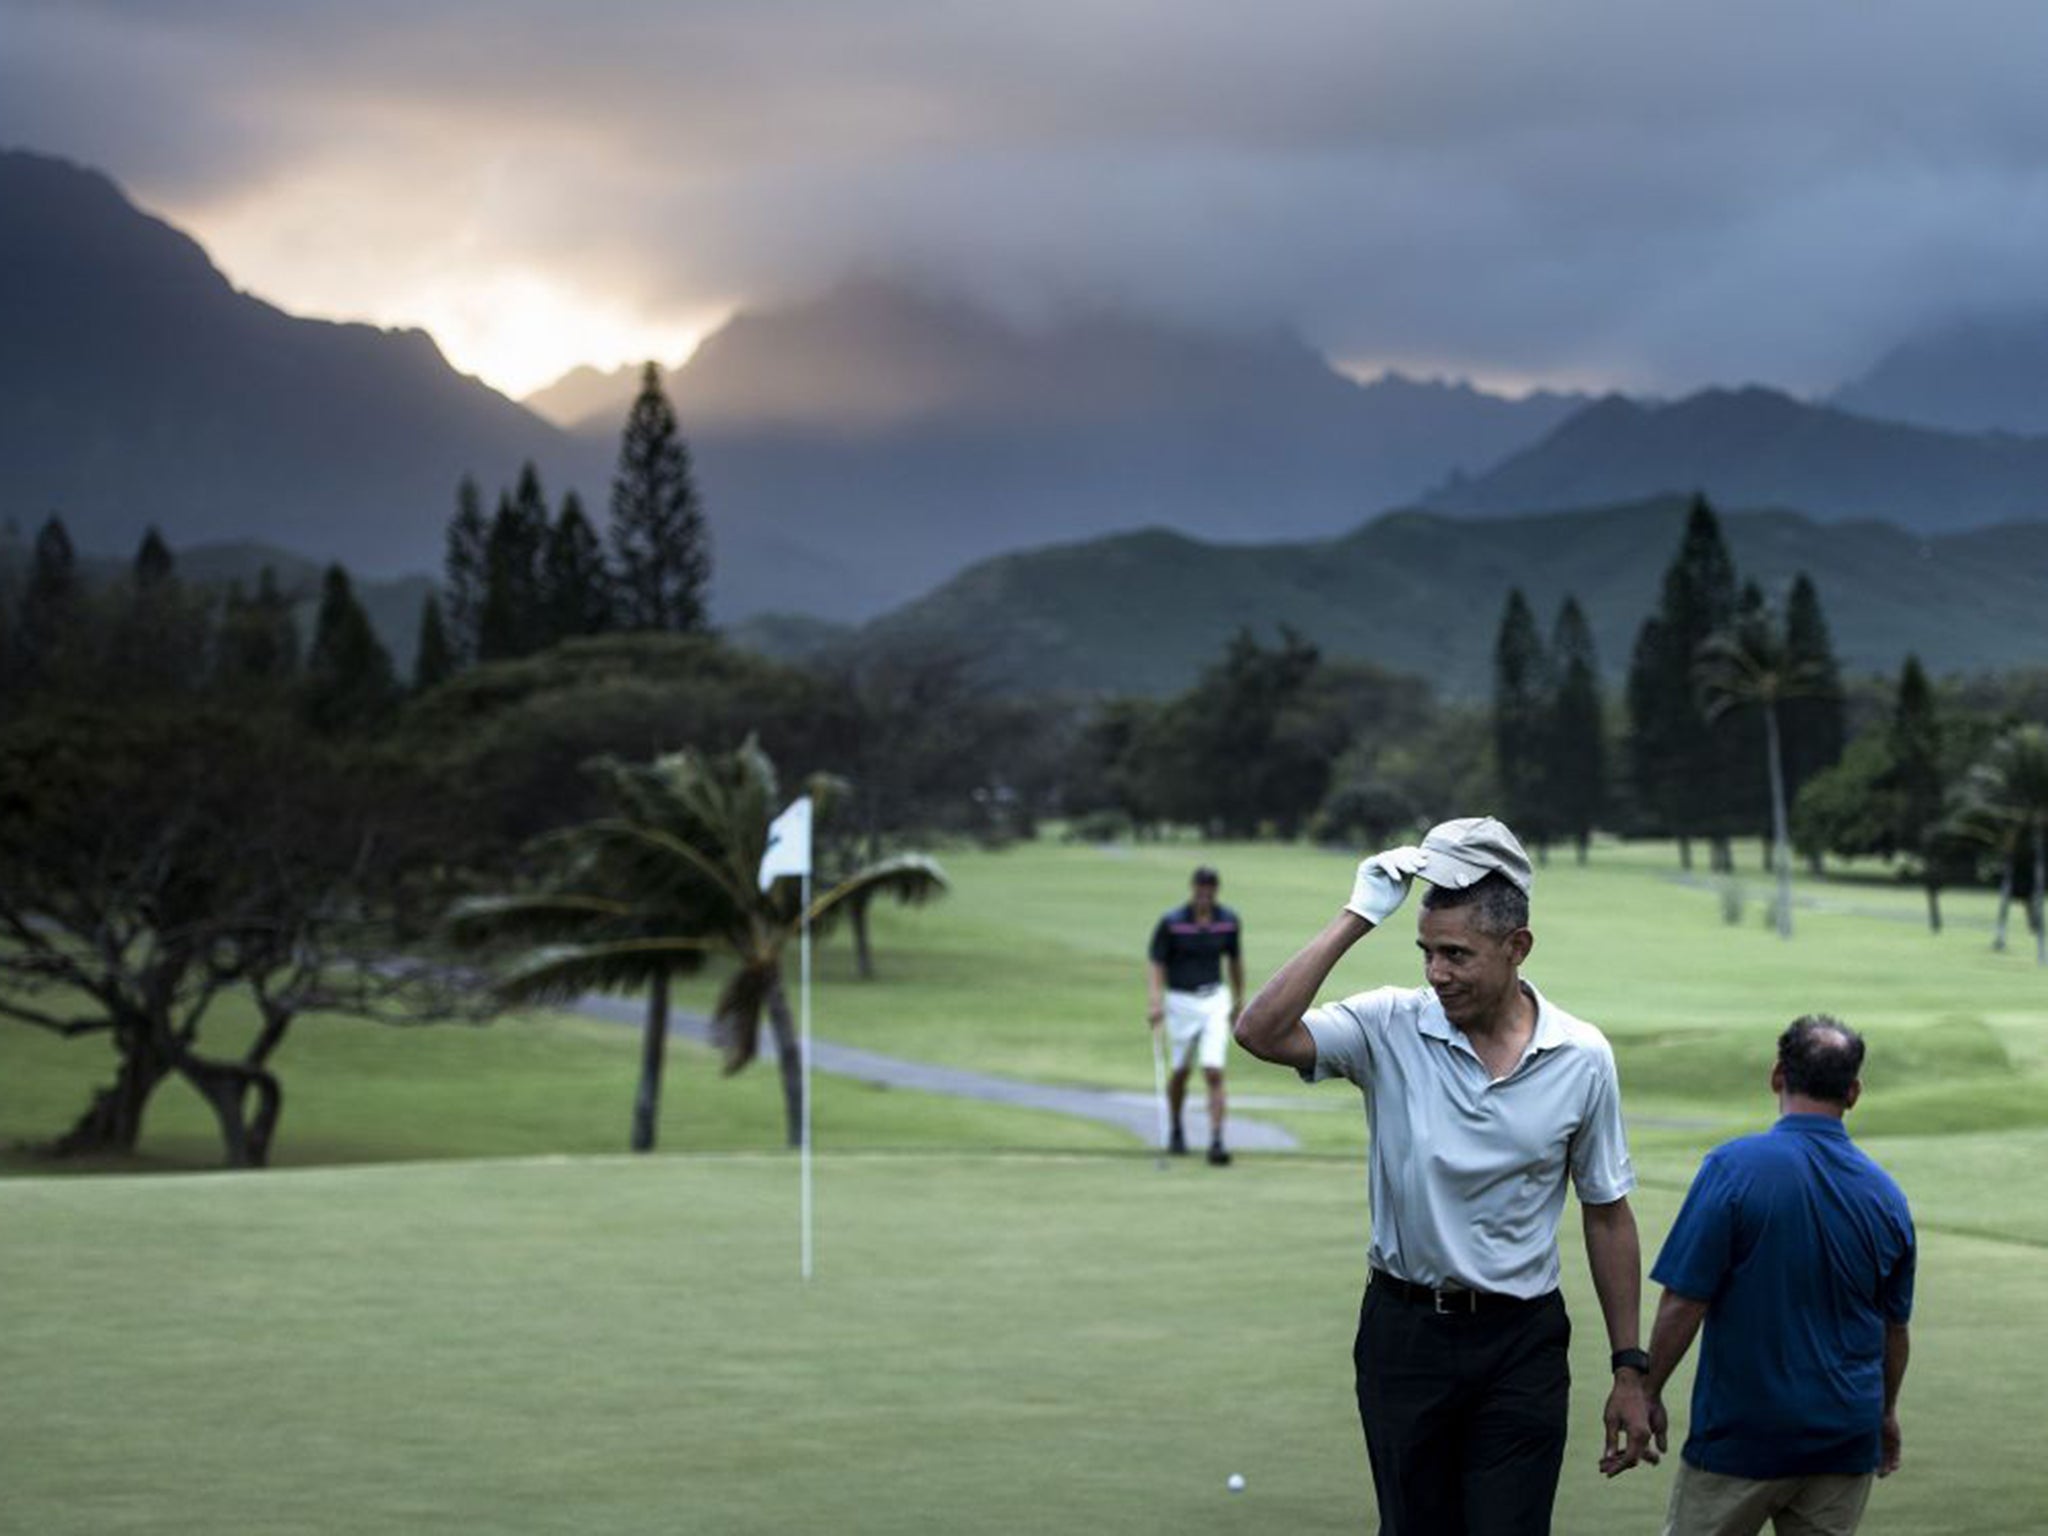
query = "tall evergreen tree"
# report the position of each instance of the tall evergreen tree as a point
(51, 605)
(349, 679)
(157, 633)
(1816, 727)
(1521, 709)
(433, 662)
(576, 584)
(660, 546)
(1675, 759)
(1577, 731)
(466, 571)
(1919, 786)
(513, 621)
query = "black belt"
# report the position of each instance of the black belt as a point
(1453, 1301)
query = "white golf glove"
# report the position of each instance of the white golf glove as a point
(1383, 882)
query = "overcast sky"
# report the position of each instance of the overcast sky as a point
(1580, 192)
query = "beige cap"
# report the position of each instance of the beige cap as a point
(1459, 853)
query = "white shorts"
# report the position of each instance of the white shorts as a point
(1198, 1018)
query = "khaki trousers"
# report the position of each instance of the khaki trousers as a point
(1713, 1504)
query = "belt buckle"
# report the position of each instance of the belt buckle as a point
(1437, 1302)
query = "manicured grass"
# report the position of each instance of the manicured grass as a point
(993, 1344)
(528, 1084)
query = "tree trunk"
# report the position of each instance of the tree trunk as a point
(1933, 907)
(2035, 901)
(1583, 839)
(1685, 853)
(1781, 836)
(2004, 904)
(653, 1052)
(246, 1136)
(112, 1122)
(863, 957)
(789, 1060)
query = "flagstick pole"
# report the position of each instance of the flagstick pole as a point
(804, 944)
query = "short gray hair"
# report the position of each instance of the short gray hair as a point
(1499, 906)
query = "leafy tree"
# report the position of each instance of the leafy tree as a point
(669, 878)
(433, 661)
(576, 585)
(466, 572)
(1521, 721)
(156, 856)
(2008, 791)
(660, 546)
(1576, 733)
(1751, 665)
(349, 679)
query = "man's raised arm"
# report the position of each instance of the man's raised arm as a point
(1270, 1026)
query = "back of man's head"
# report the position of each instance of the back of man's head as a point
(1498, 906)
(1820, 1058)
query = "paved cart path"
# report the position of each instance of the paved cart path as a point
(1133, 1112)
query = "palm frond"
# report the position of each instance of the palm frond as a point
(912, 879)
(736, 1019)
(561, 973)
(539, 916)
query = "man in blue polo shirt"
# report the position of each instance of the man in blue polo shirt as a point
(1796, 1251)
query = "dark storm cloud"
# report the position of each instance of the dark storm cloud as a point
(1656, 194)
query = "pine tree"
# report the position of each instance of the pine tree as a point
(433, 664)
(257, 648)
(349, 680)
(51, 605)
(1577, 732)
(465, 571)
(577, 586)
(513, 620)
(1919, 785)
(157, 634)
(1521, 691)
(1675, 760)
(1816, 728)
(660, 545)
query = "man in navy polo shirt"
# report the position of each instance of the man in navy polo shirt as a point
(1185, 994)
(1797, 1253)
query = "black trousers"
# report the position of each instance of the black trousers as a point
(1464, 1413)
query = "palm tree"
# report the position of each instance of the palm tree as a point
(1752, 664)
(665, 883)
(2006, 794)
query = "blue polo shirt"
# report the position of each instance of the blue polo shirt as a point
(1803, 1250)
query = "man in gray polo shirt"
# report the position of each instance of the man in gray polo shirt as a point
(1484, 1100)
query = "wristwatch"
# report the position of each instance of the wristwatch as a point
(1637, 1360)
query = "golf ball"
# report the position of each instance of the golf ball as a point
(1235, 1482)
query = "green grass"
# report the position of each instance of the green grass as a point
(1055, 1338)
(993, 1344)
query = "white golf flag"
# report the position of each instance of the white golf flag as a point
(789, 843)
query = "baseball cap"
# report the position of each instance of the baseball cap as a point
(1204, 875)
(1463, 852)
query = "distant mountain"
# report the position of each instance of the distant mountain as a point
(891, 437)
(1985, 373)
(1757, 447)
(137, 386)
(590, 400)
(1422, 592)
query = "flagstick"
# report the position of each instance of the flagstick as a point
(804, 1034)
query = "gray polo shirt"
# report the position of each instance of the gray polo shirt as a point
(1467, 1174)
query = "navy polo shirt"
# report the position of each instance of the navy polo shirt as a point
(1192, 951)
(1803, 1250)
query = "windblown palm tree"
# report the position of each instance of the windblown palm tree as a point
(2006, 795)
(1752, 664)
(662, 885)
